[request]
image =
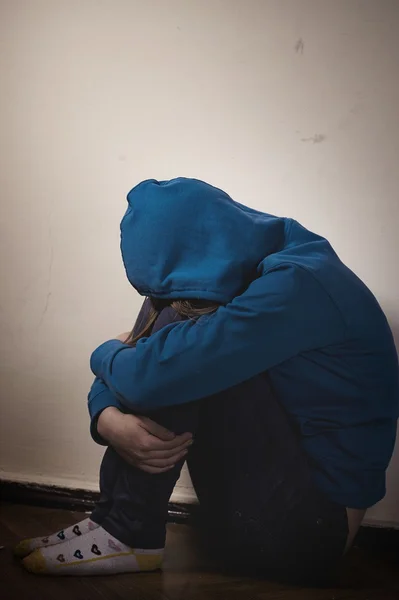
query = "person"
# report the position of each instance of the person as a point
(260, 358)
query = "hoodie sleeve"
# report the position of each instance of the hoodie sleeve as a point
(281, 314)
(100, 397)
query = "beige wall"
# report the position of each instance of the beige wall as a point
(291, 105)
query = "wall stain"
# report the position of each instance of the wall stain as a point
(354, 112)
(317, 138)
(49, 276)
(300, 46)
(45, 308)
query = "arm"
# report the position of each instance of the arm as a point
(100, 398)
(140, 441)
(281, 314)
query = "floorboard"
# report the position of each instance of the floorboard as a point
(366, 575)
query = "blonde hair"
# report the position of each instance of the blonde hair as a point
(189, 309)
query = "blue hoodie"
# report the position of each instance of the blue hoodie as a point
(289, 307)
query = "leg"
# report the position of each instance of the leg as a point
(139, 499)
(258, 502)
(109, 473)
(132, 512)
(133, 504)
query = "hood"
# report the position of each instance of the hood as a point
(186, 239)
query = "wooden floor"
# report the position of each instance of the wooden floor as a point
(367, 575)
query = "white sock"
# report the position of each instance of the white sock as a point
(95, 553)
(29, 545)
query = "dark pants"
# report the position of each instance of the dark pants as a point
(257, 501)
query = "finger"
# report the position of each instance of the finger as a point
(154, 470)
(152, 443)
(155, 459)
(157, 430)
(165, 462)
(151, 454)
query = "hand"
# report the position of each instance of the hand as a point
(123, 336)
(142, 442)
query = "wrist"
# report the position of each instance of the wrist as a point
(108, 422)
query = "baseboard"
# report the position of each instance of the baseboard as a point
(182, 494)
(36, 494)
(54, 496)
